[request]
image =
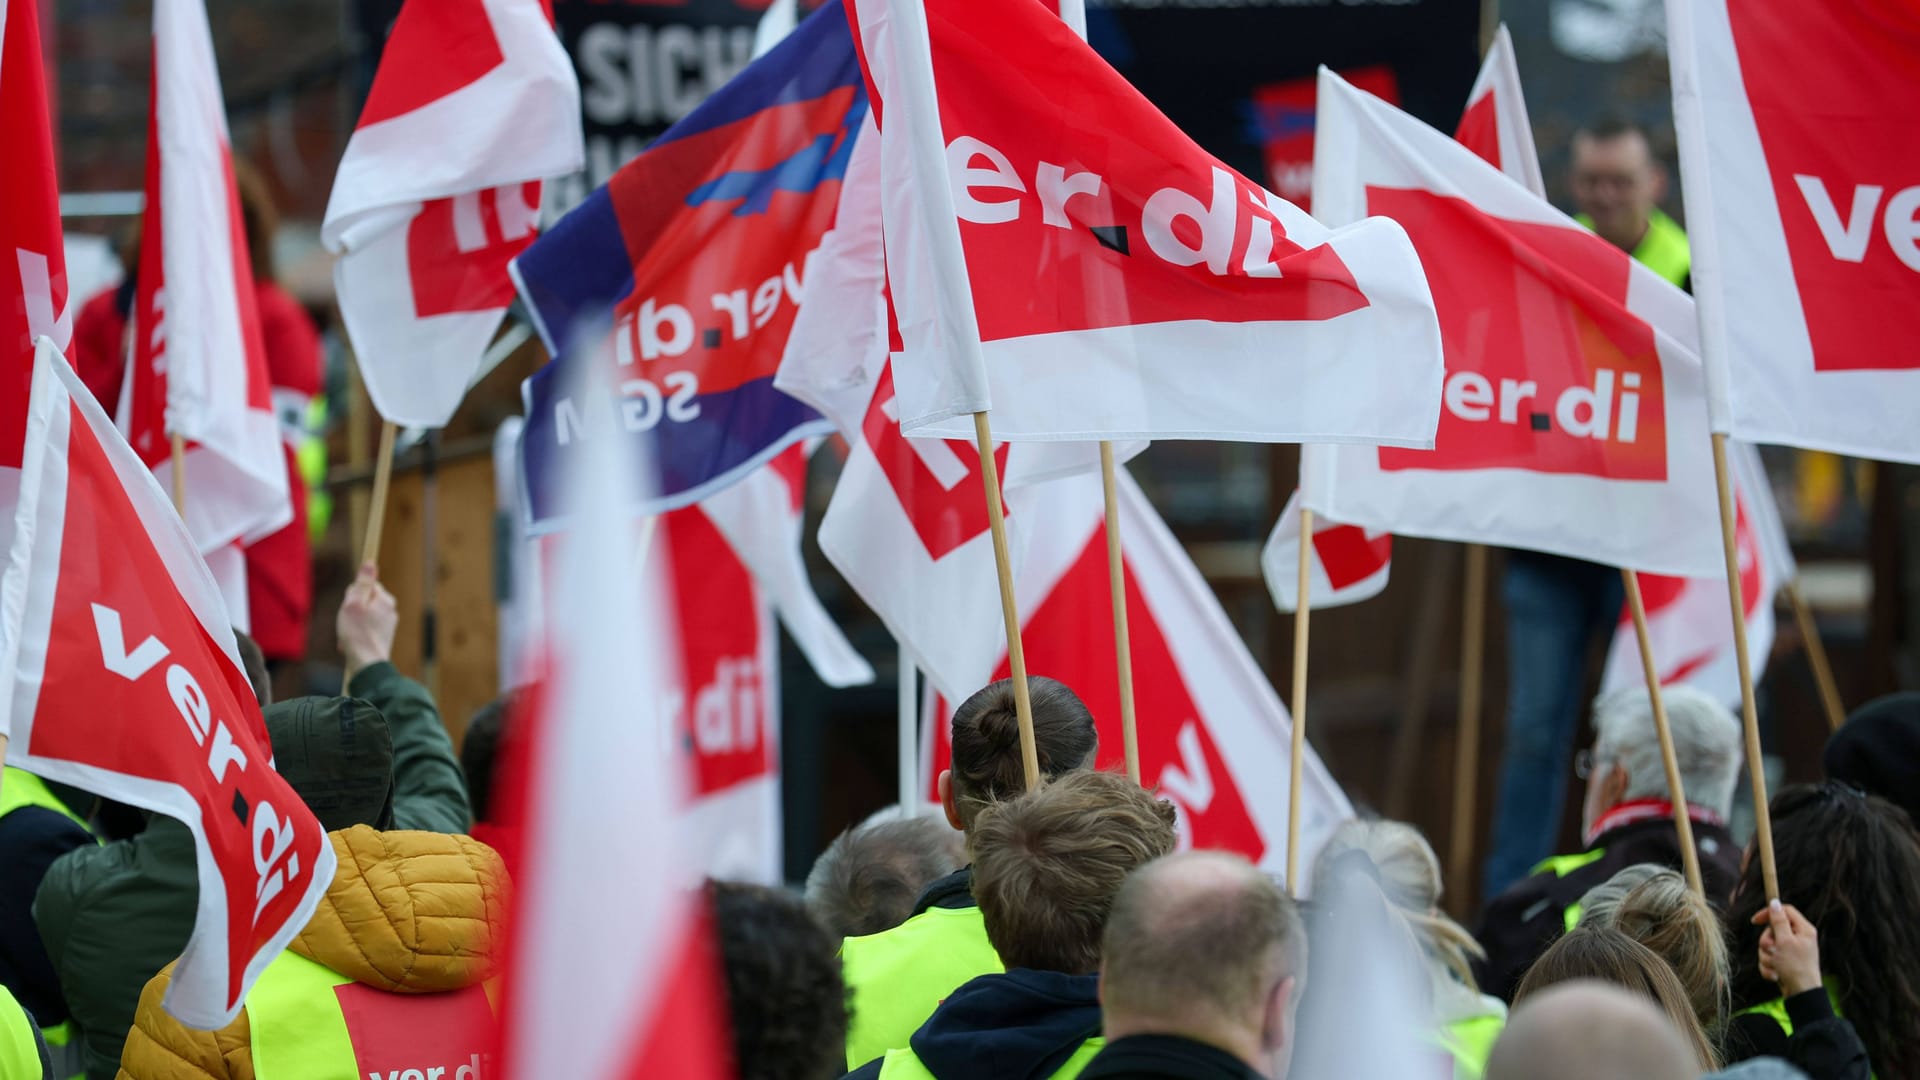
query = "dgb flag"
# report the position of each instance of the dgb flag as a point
(699, 251)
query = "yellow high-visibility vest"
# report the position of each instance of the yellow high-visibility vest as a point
(905, 1064)
(308, 1022)
(18, 1054)
(1470, 1041)
(896, 978)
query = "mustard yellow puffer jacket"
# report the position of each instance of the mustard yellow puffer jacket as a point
(408, 912)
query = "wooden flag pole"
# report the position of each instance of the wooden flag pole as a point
(376, 511)
(1466, 747)
(906, 718)
(1749, 715)
(1300, 613)
(1009, 607)
(1117, 584)
(1817, 657)
(1676, 790)
(180, 475)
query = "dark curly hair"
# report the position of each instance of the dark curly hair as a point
(784, 991)
(1851, 863)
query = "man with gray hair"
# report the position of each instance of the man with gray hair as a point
(870, 877)
(1202, 966)
(1628, 818)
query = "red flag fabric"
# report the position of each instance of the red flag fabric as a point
(425, 224)
(119, 675)
(612, 972)
(1060, 253)
(1803, 201)
(1495, 124)
(32, 256)
(1574, 418)
(199, 367)
(1213, 734)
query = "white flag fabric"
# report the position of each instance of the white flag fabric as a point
(1574, 417)
(474, 104)
(199, 366)
(1495, 124)
(1061, 254)
(1348, 564)
(1802, 185)
(1213, 735)
(1687, 622)
(119, 675)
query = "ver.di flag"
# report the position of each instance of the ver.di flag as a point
(1796, 125)
(1348, 563)
(699, 252)
(1061, 254)
(199, 365)
(1574, 416)
(119, 675)
(33, 299)
(1213, 735)
(475, 103)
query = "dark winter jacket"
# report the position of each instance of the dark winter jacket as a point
(1019, 1025)
(113, 916)
(1152, 1057)
(1522, 922)
(1822, 1044)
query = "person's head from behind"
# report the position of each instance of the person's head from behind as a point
(1626, 751)
(337, 755)
(1586, 1029)
(1409, 877)
(870, 876)
(986, 744)
(1851, 864)
(480, 750)
(785, 997)
(1204, 946)
(1878, 750)
(1616, 180)
(1047, 863)
(1611, 956)
(1653, 906)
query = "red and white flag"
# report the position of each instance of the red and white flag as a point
(1349, 564)
(612, 971)
(474, 104)
(1495, 124)
(119, 675)
(1796, 126)
(199, 367)
(1060, 253)
(1214, 737)
(1687, 620)
(1574, 418)
(33, 267)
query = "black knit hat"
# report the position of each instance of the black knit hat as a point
(1878, 751)
(337, 753)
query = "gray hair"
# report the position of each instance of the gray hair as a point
(1706, 744)
(870, 876)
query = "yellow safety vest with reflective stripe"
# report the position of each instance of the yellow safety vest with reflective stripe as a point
(1561, 866)
(1777, 1009)
(19, 790)
(1470, 1041)
(905, 1064)
(299, 1030)
(19, 1056)
(1664, 250)
(898, 977)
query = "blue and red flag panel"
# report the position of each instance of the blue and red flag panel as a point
(692, 261)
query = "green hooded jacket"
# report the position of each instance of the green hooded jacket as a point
(113, 916)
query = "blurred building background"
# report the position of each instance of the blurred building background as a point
(1237, 74)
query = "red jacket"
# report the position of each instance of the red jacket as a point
(279, 567)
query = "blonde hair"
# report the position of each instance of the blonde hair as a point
(1594, 952)
(1658, 910)
(1410, 880)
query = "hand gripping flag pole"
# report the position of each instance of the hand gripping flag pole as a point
(1676, 791)
(1749, 716)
